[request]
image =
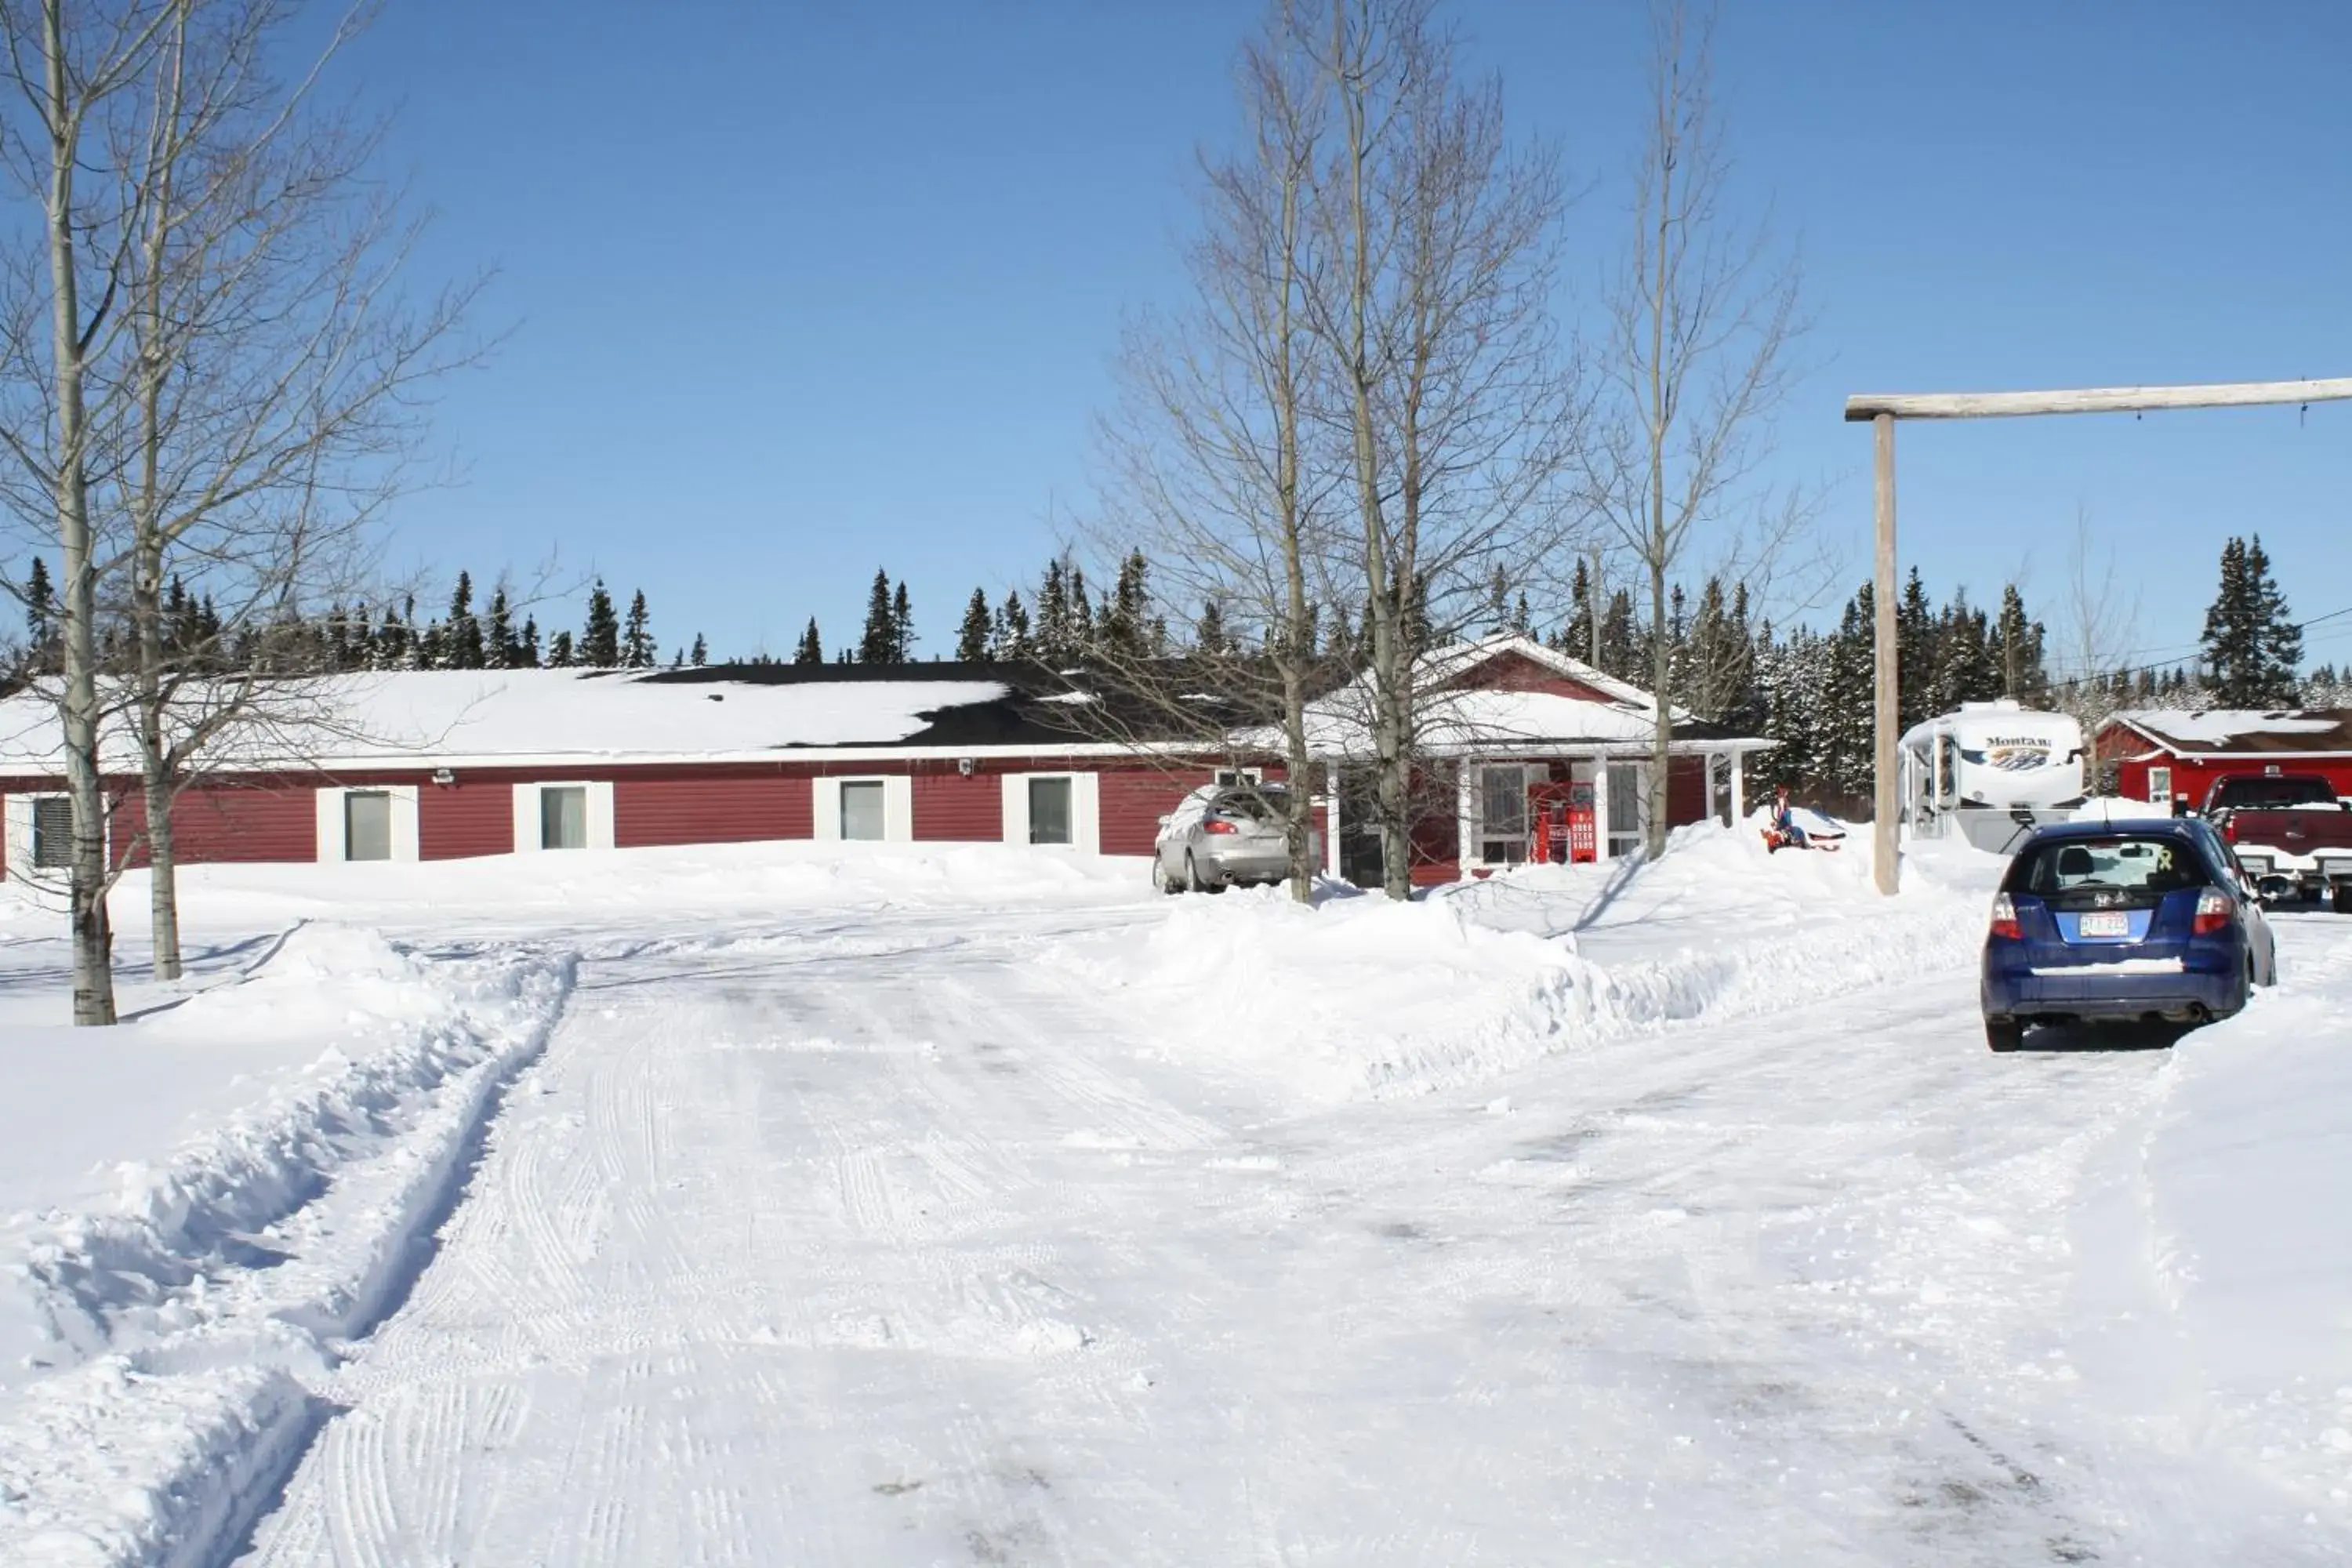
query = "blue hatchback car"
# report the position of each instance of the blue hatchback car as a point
(2122, 921)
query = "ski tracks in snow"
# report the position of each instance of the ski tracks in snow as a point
(878, 1242)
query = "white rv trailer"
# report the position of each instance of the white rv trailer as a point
(1990, 772)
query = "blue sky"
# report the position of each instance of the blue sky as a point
(799, 289)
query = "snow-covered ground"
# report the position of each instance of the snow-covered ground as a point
(779, 1204)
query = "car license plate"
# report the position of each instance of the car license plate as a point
(2106, 923)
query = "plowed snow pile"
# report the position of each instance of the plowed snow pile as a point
(1363, 995)
(155, 1320)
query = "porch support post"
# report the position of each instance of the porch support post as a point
(1466, 814)
(1600, 805)
(1738, 789)
(1331, 816)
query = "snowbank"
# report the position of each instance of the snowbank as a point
(2249, 1177)
(1366, 996)
(541, 892)
(156, 1328)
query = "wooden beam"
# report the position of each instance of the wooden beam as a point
(1886, 846)
(1867, 406)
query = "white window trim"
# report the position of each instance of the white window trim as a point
(18, 829)
(1471, 800)
(1236, 777)
(2156, 795)
(334, 823)
(897, 805)
(1086, 811)
(527, 818)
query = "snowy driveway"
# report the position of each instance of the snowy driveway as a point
(881, 1240)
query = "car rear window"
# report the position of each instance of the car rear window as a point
(2270, 794)
(1267, 804)
(2128, 863)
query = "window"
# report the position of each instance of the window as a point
(1049, 812)
(2160, 786)
(861, 809)
(52, 832)
(367, 825)
(1626, 807)
(1231, 777)
(1503, 814)
(564, 816)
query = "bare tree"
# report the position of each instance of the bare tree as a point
(79, 82)
(2099, 628)
(1208, 470)
(276, 373)
(239, 404)
(1701, 319)
(1436, 252)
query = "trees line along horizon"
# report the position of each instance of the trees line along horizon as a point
(1808, 688)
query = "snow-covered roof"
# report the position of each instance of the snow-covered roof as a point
(2236, 730)
(1457, 717)
(488, 716)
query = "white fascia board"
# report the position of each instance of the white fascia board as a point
(797, 755)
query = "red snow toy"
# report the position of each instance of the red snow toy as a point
(1785, 832)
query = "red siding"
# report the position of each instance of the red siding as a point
(278, 822)
(708, 808)
(1517, 672)
(1133, 800)
(1686, 791)
(473, 817)
(949, 806)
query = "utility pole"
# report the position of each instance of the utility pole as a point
(1882, 410)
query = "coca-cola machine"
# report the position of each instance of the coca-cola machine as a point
(1565, 830)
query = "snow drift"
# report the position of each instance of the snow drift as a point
(157, 1341)
(1365, 996)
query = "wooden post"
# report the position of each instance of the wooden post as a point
(1887, 847)
(1882, 410)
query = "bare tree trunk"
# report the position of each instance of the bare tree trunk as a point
(79, 711)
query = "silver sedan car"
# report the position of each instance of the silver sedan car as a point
(1225, 836)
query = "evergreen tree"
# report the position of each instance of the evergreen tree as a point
(879, 642)
(461, 635)
(972, 638)
(2251, 648)
(639, 650)
(41, 647)
(902, 625)
(1621, 643)
(1915, 646)
(1011, 637)
(600, 642)
(1210, 637)
(392, 642)
(1575, 637)
(561, 653)
(502, 649)
(812, 647)
(2022, 674)
(700, 655)
(1126, 629)
(1844, 728)
(1082, 615)
(527, 646)
(1052, 636)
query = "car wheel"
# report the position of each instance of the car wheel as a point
(1160, 879)
(2004, 1034)
(2342, 902)
(1193, 882)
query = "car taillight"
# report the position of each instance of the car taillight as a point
(1215, 825)
(2005, 920)
(2213, 913)
(2230, 829)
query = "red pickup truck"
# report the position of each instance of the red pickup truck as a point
(2292, 834)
